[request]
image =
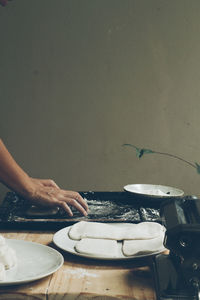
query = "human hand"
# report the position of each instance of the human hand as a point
(45, 182)
(45, 192)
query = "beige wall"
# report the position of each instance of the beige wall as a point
(80, 78)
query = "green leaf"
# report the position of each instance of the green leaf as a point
(197, 167)
(140, 151)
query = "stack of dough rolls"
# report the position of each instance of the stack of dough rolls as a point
(100, 239)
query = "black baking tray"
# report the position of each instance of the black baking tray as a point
(103, 207)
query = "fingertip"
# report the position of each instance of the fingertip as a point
(66, 208)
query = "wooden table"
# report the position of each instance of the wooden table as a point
(81, 278)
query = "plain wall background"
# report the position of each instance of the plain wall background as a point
(80, 78)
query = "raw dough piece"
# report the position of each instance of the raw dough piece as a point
(2, 272)
(36, 211)
(143, 230)
(97, 247)
(2, 241)
(7, 255)
(133, 247)
(8, 258)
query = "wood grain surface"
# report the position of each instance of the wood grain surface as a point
(81, 278)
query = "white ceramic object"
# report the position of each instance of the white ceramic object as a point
(153, 191)
(34, 261)
(61, 239)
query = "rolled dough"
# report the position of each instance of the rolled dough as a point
(143, 230)
(7, 255)
(2, 272)
(2, 241)
(97, 247)
(133, 247)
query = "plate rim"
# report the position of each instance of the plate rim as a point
(11, 241)
(153, 195)
(74, 252)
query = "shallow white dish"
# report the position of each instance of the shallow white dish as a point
(155, 191)
(61, 239)
(35, 261)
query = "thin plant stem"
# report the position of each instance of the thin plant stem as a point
(162, 153)
(176, 157)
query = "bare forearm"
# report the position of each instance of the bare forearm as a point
(38, 191)
(11, 174)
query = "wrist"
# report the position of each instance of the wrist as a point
(24, 187)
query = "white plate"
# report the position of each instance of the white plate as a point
(155, 191)
(35, 261)
(61, 239)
